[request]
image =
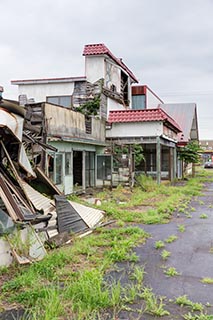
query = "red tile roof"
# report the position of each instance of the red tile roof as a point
(146, 115)
(100, 48)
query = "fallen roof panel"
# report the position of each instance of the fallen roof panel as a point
(90, 215)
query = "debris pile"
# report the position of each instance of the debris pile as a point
(28, 218)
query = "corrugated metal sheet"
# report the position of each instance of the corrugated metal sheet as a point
(68, 218)
(183, 114)
(13, 122)
(90, 215)
(39, 201)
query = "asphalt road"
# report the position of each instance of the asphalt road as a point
(191, 256)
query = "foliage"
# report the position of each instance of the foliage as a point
(171, 272)
(203, 216)
(181, 228)
(154, 305)
(159, 244)
(184, 301)
(171, 239)
(72, 282)
(146, 183)
(190, 152)
(201, 316)
(207, 280)
(138, 152)
(165, 254)
(90, 107)
(136, 149)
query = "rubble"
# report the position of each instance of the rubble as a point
(29, 218)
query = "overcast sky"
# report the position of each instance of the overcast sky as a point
(168, 44)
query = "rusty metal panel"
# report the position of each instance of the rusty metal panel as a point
(138, 90)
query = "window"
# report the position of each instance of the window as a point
(55, 167)
(139, 102)
(63, 101)
(68, 170)
(58, 168)
(104, 167)
(90, 168)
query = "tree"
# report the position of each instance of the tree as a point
(189, 154)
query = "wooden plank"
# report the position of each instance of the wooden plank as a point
(8, 206)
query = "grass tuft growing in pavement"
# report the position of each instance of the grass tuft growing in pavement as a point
(207, 280)
(184, 301)
(171, 272)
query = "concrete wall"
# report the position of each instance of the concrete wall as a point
(40, 91)
(113, 105)
(94, 68)
(62, 122)
(134, 129)
(112, 76)
(5, 253)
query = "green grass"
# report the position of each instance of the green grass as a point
(80, 267)
(154, 304)
(203, 216)
(207, 280)
(74, 276)
(171, 239)
(171, 272)
(159, 244)
(165, 254)
(138, 275)
(163, 199)
(184, 301)
(201, 316)
(181, 228)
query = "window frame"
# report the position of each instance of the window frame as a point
(60, 97)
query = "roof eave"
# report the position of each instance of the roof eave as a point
(48, 80)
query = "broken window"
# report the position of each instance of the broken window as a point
(104, 167)
(90, 168)
(58, 168)
(125, 88)
(55, 168)
(63, 101)
(68, 164)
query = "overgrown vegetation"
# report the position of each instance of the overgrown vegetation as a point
(73, 282)
(190, 153)
(91, 107)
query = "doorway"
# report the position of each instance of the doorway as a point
(77, 168)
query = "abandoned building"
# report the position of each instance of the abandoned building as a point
(76, 116)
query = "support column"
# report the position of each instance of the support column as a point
(171, 164)
(84, 170)
(158, 160)
(175, 162)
